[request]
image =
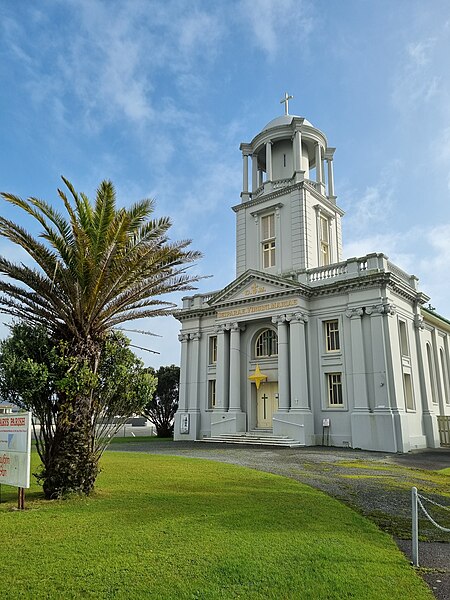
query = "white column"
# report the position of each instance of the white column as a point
(222, 376)
(283, 363)
(182, 398)
(254, 173)
(235, 367)
(330, 178)
(319, 173)
(194, 392)
(298, 151)
(269, 160)
(298, 362)
(360, 397)
(245, 174)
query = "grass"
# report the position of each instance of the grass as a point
(175, 528)
(139, 439)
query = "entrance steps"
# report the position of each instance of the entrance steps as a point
(259, 437)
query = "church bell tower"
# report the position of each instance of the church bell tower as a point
(288, 220)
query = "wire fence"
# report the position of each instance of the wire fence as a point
(417, 501)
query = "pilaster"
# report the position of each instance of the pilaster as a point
(298, 361)
(194, 392)
(222, 368)
(358, 375)
(235, 366)
(283, 362)
(183, 396)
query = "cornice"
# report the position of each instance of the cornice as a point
(309, 292)
(435, 319)
(305, 185)
(265, 197)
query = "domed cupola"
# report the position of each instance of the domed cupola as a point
(288, 220)
(289, 149)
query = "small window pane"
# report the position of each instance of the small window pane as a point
(335, 389)
(404, 347)
(324, 230)
(409, 397)
(332, 336)
(213, 350)
(212, 393)
(268, 229)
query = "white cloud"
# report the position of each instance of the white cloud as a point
(419, 78)
(424, 252)
(278, 24)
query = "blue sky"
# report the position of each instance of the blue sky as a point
(158, 95)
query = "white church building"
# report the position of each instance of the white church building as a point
(303, 345)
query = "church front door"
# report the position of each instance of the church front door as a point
(266, 403)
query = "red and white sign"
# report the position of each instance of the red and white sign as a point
(15, 449)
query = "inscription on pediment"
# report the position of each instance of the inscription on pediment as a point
(255, 289)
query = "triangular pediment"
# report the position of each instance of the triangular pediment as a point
(251, 285)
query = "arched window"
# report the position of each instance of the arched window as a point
(266, 344)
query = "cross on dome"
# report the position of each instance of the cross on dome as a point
(285, 101)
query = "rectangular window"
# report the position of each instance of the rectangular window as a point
(332, 336)
(213, 350)
(268, 240)
(403, 334)
(212, 393)
(324, 257)
(408, 390)
(335, 389)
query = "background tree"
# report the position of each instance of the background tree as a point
(162, 406)
(36, 374)
(95, 268)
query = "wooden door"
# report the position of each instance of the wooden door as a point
(266, 404)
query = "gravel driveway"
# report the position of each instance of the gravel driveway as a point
(375, 484)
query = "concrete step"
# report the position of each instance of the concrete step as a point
(253, 438)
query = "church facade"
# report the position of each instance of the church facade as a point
(303, 343)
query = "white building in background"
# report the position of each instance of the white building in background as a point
(302, 342)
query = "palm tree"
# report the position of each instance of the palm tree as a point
(95, 268)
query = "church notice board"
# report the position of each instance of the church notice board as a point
(15, 449)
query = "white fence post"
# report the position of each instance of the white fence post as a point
(415, 528)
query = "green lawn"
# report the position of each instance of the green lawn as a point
(139, 439)
(175, 528)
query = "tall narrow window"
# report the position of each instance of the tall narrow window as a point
(332, 336)
(432, 374)
(404, 346)
(324, 234)
(408, 389)
(212, 393)
(213, 350)
(268, 240)
(335, 389)
(444, 376)
(266, 344)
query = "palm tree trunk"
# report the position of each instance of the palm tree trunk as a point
(72, 466)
